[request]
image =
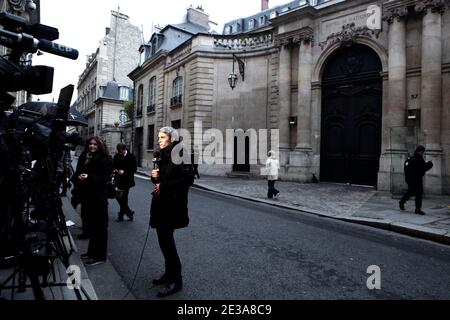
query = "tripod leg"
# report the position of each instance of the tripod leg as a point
(37, 290)
(78, 294)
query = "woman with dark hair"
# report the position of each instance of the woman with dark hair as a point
(169, 209)
(91, 177)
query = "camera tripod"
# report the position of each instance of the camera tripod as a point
(43, 266)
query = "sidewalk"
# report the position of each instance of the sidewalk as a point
(348, 203)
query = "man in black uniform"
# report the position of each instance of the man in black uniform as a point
(125, 167)
(415, 168)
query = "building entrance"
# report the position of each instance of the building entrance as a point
(351, 116)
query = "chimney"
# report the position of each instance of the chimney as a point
(264, 5)
(198, 16)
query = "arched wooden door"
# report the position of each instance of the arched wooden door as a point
(351, 116)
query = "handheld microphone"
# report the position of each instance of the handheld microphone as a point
(156, 159)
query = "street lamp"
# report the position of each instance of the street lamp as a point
(232, 78)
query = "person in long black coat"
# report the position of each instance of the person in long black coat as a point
(125, 166)
(169, 208)
(90, 178)
(415, 169)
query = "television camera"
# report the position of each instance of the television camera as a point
(33, 139)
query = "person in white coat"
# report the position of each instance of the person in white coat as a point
(272, 167)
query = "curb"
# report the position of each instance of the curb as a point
(431, 234)
(86, 283)
(143, 173)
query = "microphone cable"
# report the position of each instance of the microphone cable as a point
(142, 254)
(139, 264)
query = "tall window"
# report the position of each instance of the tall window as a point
(177, 92)
(140, 100)
(93, 92)
(152, 95)
(176, 124)
(151, 137)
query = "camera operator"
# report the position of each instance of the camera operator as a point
(65, 172)
(91, 178)
(125, 166)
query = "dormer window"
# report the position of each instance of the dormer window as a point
(102, 91)
(124, 93)
(142, 56)
(251, 24)
(154, 45)
(262, 20)
(273, 14)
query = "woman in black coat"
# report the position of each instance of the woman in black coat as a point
(91, 178)
(169, 209)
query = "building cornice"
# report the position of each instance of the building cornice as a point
(245, 41)
(306, 11)
(103, 99)
(220, 55)
(398, 4)
(91, 65)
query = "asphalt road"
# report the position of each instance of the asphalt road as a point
(235, 249)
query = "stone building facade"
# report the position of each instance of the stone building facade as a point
(160, 94)
(116, 55)
(352, 86)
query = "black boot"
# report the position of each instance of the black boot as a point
(130, 215)
(162, 280)
(419, 211)
(170, 289)
(401, 204)
(119, 217)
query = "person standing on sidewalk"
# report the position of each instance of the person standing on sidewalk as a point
(65, 171)
(169, 208)
(194, 160)
(91, 177)
(125, 166)
(415, 168)
(272, 167)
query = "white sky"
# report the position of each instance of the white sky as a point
(82, 24)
